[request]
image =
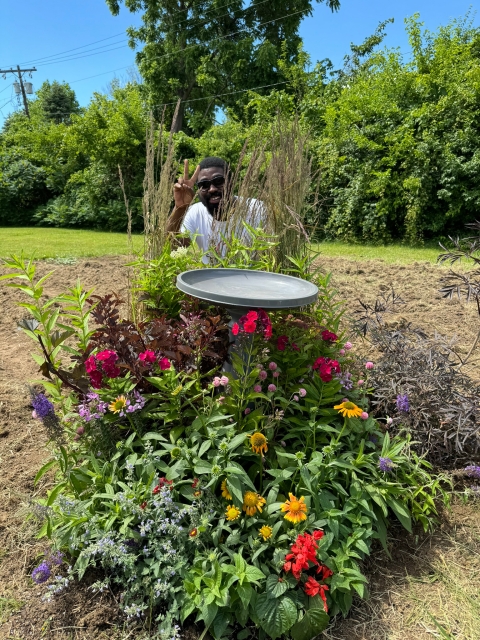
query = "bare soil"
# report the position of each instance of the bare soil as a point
(406, 589)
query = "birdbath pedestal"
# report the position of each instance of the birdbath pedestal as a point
(241, 290)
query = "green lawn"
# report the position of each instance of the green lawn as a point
(42, 242)
(392, 253)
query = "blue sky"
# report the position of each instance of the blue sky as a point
(33, 31)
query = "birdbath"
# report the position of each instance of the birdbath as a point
(240, 290)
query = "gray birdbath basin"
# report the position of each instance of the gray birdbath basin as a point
(241, 290)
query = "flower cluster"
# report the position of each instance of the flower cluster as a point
(303, 556)
(473, 471)
(92, 408)
(149, 357)
(253, 322)
(403, 403)
(385, 465)
(100, 364)
(44, 570)
(326, 368)
(283, 341)
(329, 336)
(42, 406)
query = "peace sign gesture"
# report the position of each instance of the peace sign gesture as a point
(183, 192)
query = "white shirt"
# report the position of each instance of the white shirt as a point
(208, 231)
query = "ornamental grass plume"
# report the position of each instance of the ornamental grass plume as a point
(349, 410)
(253, 502)
(295, 509)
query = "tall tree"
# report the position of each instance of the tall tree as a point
(194, 49)
(58, 101)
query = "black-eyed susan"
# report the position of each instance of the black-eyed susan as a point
(266, 532)
(225, 492)
(349, 410)
(253, 502)
(258, 443)
(232, 513)
(118, 404)
(295, 509)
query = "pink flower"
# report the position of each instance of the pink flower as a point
(268, 332)
(235, 329)
(262, 375)
(107, 355)
(296, 398)
(369, 365)
(252, 316)
(282, 342)
(302, 393)
(247, 411)
(272, 388)
(224, 381)
(345, 400)
(80, 431)
(342, 352)
(361, 382)
(364, 415)
(276, 374)
(147, 356)
(389, 421)
(326, 368)
(257, 388)
(164, 364)
(221, 400)
(111, 370)
(90, 364)
(250, 326)
(216, 381)
(34, 414)
(295, 346)
(347, 346)
(272, 366)
(96, 379)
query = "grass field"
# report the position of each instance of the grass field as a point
(41, 242)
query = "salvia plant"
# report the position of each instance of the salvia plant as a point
(242, 497)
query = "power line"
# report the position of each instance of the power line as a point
(88, 55)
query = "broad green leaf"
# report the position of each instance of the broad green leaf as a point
(402, 513)
(311, 625)
(275, 586)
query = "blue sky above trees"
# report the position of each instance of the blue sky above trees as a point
(33, 30)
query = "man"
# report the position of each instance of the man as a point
(204, 220)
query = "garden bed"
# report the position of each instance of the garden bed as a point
(78, 614)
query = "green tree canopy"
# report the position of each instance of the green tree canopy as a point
(57, 100)
(194, 49)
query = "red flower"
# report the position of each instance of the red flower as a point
(162, 482)
(143, 505)
(147, 356)
(90, 364)
(323, 588)
(96, 379)
(235, 329)
(318, 534)
(107, 355)
(295, 346)
(164, 364)
(268, 332)
(195, 483)
(312, 587)
(329, 336)
(326, 367)
(250, 326)
(282, 342)
(303, 552)
(325, 571)
(111, 370)
(252, 316)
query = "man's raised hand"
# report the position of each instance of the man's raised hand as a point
(183, 191)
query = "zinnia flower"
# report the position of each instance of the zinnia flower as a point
(258, 443)
(266, 532)
(232, 513)
(118, 404)
(253, 502)
(295, 509)
(348, 409)
(225, 492)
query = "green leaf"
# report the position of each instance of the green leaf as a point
(253, 574)
(245, 592)
(52, 496)
(41, 472)
(202, 467)
(275, 586)
(209, 613)
(311, 625)
(220, 623)
(276, 616)
(402, 513)
(235, 486)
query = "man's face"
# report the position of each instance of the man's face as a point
(211, 194)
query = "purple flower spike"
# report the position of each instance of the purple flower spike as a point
(42, 405)
(473, 471)
(41, 573)
(403, 404)
(385, 465)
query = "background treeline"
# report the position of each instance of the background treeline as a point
(394, 141)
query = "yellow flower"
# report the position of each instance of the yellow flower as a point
(225, 491)
(118, 404)
(259, 443)
(252, 502)
(296, 509)
(232, 512)
(349, 410)
(266, 532)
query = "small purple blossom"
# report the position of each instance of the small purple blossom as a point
(42, 405)
(345, 379)
(41, 573)
(385, 465)
(272, 366)
(296, 398)
(347, 346)
(302, 393)
(257, 388)
(247, 411)
(56, 558)
(402, 403)
(473, 471)
(262, 375)
(272, 388)
(364, 415)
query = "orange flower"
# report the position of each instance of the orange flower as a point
(253, 502)
(225, 492)
(258, 443)
(193, 533)
(349, 410)
(295, 508)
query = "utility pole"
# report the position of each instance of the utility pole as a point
(20, 78)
